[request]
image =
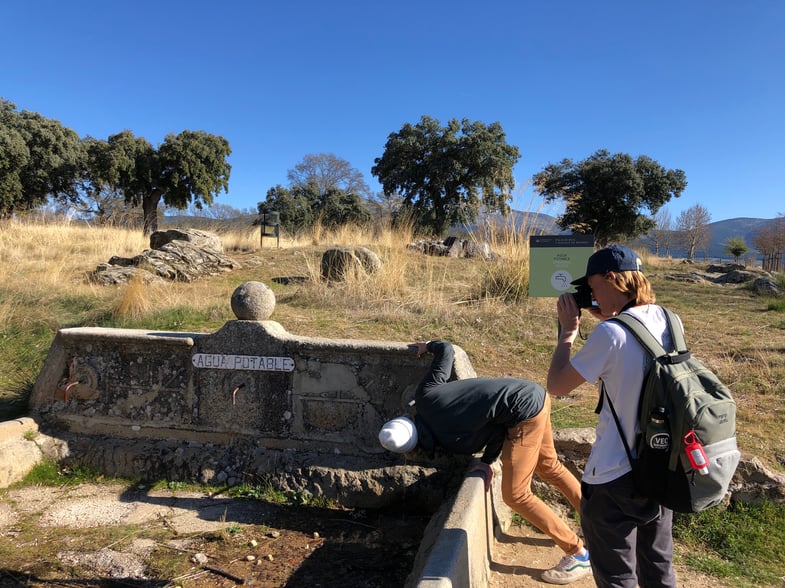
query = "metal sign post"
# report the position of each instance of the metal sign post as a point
(270, 228)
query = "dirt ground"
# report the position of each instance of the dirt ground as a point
(102, 535)
(523, 553)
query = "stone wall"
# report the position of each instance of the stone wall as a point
(250, 400)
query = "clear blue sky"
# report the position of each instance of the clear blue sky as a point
(696, 85)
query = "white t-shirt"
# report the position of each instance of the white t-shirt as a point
(613, 355)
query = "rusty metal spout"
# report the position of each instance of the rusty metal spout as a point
(68, 387)
(234, 393)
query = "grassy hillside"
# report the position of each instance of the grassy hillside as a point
(477, 304)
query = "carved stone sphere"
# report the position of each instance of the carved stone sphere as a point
(253, 301)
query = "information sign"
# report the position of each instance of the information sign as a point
(555, 261)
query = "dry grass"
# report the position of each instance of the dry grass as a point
(134, 301)
(477, 304)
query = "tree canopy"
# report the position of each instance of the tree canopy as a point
(328, 172)
(302, 206)
(612, 197)
(39, 158)
(737, 247)
(189, 167)
(323, 188)
(445, 174)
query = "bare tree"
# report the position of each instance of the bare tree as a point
(328, 171)
(770, 242)
(215, 211)
(692, 229)
(660, 236)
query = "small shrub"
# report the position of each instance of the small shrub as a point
(777, 305)
(263, 490)
(134, 302)
(507, 277)
(506, 280)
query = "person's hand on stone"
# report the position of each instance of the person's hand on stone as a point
(487, 472)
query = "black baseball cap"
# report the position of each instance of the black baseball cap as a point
(615, 258)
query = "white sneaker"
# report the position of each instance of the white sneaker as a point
(569, 569)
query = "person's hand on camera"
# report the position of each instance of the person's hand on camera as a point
(569, 316)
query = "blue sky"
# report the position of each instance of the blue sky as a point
(697, 85)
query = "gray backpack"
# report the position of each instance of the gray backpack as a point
(686, 452)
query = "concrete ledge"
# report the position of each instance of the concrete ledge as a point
(15, 429)
(18, 452)
(128, 401)
(460, 554)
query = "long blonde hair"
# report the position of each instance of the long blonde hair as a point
(633, 284)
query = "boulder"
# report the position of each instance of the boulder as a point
(338, 262)
(182, 256)
(454, 247)
(107, 274)
(735, 276)
(724, 268)
(766, 286)
(197, 238)
(692, 277)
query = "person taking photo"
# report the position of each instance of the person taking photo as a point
(630, 536)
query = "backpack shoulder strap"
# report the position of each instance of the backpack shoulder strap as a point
(603, 395)
(641, 333)
(647, 340)
(677, 333)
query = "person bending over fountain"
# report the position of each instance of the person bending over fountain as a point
(505, 417)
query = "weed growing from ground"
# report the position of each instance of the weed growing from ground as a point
(49, 472)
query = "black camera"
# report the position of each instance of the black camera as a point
(582, 296)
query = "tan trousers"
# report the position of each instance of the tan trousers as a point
(529, 450)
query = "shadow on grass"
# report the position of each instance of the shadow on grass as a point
(14, 402)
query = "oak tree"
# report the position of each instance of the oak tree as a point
(188, 168)
(300, 207)
(39, 158)
(445, 174)
(611, 197)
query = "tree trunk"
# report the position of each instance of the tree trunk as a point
(150, 213)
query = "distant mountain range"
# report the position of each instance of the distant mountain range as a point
(721, 231)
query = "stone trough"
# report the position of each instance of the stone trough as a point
(254, 401)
